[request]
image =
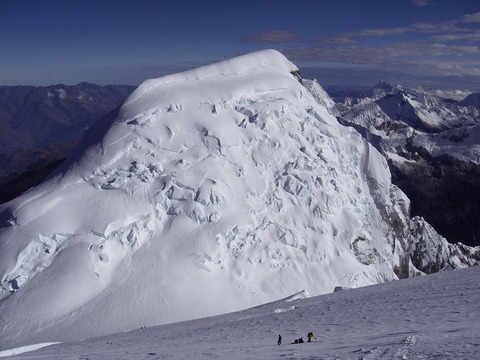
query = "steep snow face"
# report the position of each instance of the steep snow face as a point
(321, 96)
(210, 191)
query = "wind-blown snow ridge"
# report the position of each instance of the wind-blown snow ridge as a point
(262, 62)
(207, 192)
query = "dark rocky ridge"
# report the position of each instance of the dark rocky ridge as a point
(471, 100)
(445, 192)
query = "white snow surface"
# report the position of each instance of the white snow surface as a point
(211, 191)
(321, 96)
(429, 317)
(24, 349)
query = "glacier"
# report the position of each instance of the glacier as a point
(206, 192)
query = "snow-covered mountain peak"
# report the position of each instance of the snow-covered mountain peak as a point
(383, 88)
(201, 83)
(206, 192)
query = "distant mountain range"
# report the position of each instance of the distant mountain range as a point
(41, 125)
(432, 145)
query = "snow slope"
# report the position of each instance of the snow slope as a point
(434, 316)
(208, 191)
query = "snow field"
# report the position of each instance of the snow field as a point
(433, 316)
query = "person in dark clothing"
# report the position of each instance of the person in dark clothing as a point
(279, 339)
(298, 341)
(310, 335)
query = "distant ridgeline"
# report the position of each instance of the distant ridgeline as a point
(41, 125)
(432, 147)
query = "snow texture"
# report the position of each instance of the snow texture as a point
(209, 191)
(429, 317)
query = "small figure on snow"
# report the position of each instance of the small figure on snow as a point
(279, 342)
(310, 335)
(298, 341)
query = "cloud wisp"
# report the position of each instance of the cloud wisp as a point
(420, 3)
(273, 36)
(418, 50)
(471, 18)
(434, 30)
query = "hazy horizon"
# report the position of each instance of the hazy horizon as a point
(429, 43)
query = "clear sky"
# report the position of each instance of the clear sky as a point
(429, 43)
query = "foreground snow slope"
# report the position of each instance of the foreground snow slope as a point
(208, 191)
(434, 316)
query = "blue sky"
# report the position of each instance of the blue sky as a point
(429, 43)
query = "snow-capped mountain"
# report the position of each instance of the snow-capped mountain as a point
(432, 146)
(208, 191)
(422, 110)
